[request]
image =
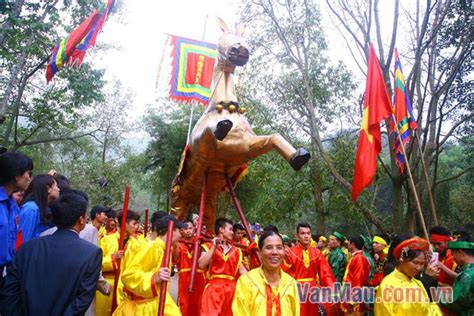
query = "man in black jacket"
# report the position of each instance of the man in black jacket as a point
(55, 274)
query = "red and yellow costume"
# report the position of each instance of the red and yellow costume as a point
(387, 303)
(380, 263)
(219, 291)
(255, 296)
(309, 266)
(443, 278)
(141, 293)
(357, 275)
(189, 302)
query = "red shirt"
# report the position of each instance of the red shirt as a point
(448, 261)
(224, 265)
(358, 270)
(315, 269)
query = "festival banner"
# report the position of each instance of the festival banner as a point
(377, 107)
(192, 70)
(403, 113)
(73, 48)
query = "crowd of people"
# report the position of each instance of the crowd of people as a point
(58, 259)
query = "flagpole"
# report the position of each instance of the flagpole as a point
(193, 104)
(161, 61)
(427, 179)
(410, 176)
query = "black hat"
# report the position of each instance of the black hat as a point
(98, 209)
(162, 223)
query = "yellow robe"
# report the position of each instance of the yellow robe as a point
(141, 294)
(250, 297)
(394, 302)
(109, 245)
(102, 232)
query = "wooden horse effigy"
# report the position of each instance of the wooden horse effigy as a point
(222, 141)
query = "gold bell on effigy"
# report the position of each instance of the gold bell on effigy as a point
(242, 110)
(232, 108)
(219, 107)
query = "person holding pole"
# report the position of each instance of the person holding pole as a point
(112, 256)
(188, 302)
(224, 261)
(143, 273)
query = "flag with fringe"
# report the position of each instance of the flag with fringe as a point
(192, 70)
(73, 48)
(403, 113)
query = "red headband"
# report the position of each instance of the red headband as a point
(414, 243)
(439, 238)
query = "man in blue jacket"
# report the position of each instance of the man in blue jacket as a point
(55, 274)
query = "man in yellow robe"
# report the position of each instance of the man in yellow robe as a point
(113, 257)
(143, 275)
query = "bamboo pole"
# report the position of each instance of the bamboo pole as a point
(146, 223)
(166, 263)
(121, 245)
(239, 210)
(410, 176)
(197, 243)
(427, 179)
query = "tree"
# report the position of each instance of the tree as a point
(440, 53)
(30, 108)
(168, 130)
(312, 93)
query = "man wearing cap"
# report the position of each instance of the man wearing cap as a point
(323, 246)
(463, 287)
(143, 274)
(308, 266)
(380, 246)
(439, 238)
(337, 259)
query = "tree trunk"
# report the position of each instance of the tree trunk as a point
(16, 11)
(317, 192)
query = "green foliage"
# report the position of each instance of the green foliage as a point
(454, 198)
(168, 132)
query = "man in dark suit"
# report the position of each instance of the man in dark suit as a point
(55, 274)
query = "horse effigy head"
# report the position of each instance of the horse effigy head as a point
(232, 48)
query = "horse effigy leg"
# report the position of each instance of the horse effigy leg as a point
(262, 144)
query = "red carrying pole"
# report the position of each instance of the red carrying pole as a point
(197, 243)
(239, 209)
(121, 239)
(146, 223)
(166, 263)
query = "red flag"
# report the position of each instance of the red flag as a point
(377, 107)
